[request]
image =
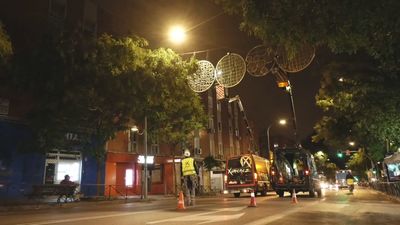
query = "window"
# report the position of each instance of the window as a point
(155, 150)
(60, 163)
(134, 142)
(220, 149)
(129, 177)
(68, 167)
(211, 125)
(393, 170)
(4, 106)
(218, 106)
(156, 174)
(154, 147)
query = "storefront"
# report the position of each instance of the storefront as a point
(392, 166)
(125, 172)
(60, 163)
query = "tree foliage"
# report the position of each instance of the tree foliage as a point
(362, 105)
(365, 106)
(96, 87)
(343, 26)
(359, 163)
(323, 165)
(5, 46)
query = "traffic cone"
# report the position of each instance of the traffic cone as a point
(181, 201)
(294, 197)
(252, 199)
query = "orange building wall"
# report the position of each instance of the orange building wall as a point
(119, 143)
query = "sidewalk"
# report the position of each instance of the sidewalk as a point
(51, 202)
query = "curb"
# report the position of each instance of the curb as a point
(18, 205)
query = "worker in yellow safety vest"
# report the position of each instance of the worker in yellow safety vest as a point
(189, 177)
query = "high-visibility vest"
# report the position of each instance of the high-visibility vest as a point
(188, 167)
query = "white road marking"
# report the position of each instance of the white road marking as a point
(87, 218)
(270, 219)
(205, 217)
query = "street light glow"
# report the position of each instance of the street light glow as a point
(134, 129)
(282, 122)
(177, 34)
(352, 143)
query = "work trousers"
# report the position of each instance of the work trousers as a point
(189, 184)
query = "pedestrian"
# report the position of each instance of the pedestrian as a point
(189, 177)
(67, 181)
(350, 181)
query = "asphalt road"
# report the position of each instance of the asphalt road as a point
(335, 207)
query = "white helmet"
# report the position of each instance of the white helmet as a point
(186, 153)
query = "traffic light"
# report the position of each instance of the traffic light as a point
(339, 154)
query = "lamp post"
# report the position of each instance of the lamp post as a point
(145, 158)
(144, 133)
(281, 122)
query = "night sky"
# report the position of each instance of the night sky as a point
(211, 29)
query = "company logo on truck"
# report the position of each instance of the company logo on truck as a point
(245, 161)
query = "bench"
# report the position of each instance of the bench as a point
(64, 192)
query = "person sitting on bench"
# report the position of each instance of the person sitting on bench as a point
(69, 190)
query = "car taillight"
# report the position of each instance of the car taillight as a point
(307, 172)
(255, 176)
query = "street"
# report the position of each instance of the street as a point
(335, 207)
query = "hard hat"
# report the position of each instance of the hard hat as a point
(186, 153)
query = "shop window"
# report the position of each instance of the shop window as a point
(61, 163)
(394, 171)
(70, 168)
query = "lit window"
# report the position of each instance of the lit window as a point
(70, 168)
(128, 177)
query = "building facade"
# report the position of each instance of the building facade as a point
(121, 172)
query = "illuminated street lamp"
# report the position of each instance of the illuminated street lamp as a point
(177, 34)
(281, 122)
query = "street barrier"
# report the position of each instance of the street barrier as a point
(390, 188)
